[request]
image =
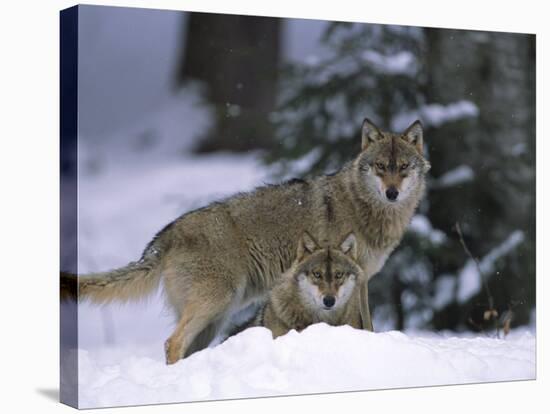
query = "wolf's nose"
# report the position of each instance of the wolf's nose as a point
(392, 193)
(329, 301)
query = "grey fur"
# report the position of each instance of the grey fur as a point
(216, 260)
(290, 305)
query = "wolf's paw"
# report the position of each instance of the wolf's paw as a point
(173, 351)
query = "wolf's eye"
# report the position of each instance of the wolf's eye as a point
(339, 275)
(380, 166)
(317, 275)
(404, 166)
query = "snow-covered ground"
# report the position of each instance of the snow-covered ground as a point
(132, 184)
(319, 359)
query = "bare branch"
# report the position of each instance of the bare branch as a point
(491, 313)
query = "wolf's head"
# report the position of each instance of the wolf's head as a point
(326, 277)
(391, 166)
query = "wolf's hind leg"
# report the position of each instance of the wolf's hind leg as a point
(196, 315)
(204, 338)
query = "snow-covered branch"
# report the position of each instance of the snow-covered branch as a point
(470, 279)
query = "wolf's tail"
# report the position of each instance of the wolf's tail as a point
(133, 281)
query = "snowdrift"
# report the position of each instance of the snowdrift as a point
(320, 359)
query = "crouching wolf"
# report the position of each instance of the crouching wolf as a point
(320, 286)
(219, 259)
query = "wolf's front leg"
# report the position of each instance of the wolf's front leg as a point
(364, 306)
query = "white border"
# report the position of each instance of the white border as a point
(29, 221)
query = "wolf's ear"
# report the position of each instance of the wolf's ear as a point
(307, 245)
(414, 134)
(349, 246)
(369, 134)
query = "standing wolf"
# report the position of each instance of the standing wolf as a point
(320, 286)
(217, 260)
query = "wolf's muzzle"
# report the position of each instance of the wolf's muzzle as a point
(329, 301)
(392, 193)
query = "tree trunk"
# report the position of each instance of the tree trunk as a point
(237, 57)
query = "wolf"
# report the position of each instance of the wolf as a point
(320, 286)
(222, 258)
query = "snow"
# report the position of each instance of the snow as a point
(487, 264)
(288, 169)
(436, 114)
(422, 226)
(319, 359)
(400, 63)
(456, 176)
(445, 288)
(470, 279)
(326, 68)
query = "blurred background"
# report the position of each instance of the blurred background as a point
(179, 109)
